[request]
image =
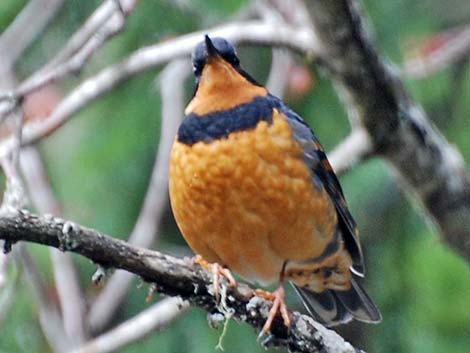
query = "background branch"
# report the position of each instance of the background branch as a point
(97, 20)
(384, 123)
(146, 229)
(151, 320)
(453, 48)
(355, 148)
(150, 57)
(375, 97)
(25, 28)
(65, 275)
(49, 315)
(61, 66)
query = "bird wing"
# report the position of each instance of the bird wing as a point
(324, 177)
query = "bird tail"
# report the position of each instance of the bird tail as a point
(334, 307)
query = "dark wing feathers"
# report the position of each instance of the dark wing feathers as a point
(324, 176)
(346, 222)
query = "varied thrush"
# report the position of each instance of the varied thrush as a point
(252, 191)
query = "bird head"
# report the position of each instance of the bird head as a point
(220, 81)
(213, 50)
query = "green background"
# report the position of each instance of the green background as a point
(100, 164)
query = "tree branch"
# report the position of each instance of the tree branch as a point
(400, 132)
(32, 19)
(14, 40)
(171, 276)
(300, 40)
(453, 48)
(353, 149)
(58, 69)
(99, 19)
(146, 228)
(8, 286)
(69, 292)
(153, 319)
(49, 315)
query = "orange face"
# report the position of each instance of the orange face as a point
(221, 87)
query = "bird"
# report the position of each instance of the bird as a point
(253, 193)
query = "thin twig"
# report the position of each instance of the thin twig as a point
(3, 268)
(151, 320)
(300, 40)
(278, 77)
(146, 230)
(281, 59)
(297, 39)
(14, 196)
(31, 21)
(171, 276)
(293, 12)
(49, 315)
(77, 61)
(65, 275)
(8, 285)
(353, 149)
(90, 28)
(25, 28)
(454, 49)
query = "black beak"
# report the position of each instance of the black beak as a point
(210, 48)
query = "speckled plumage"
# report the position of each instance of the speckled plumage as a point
(247, 195)
(251, 189)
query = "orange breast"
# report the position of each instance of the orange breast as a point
(247, 201)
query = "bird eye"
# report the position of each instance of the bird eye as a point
(234, 60)
(198, 65)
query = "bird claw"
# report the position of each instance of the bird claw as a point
(279, 306)
(217, 271)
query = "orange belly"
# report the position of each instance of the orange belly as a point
(248, 202)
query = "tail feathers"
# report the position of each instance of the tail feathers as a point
(324, 307)
(332, 308)
(359, 304)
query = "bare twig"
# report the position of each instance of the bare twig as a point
(113, 25)
(352, 150)
(376, 99)
(455, 46)
(37, 182)
(14, 196)
(3, 267)
(300, 40)
(25, 28)
(151, 320)
(293, 12)
(8, 285)
(281, 63)
(96, 22)
(171, 276)
(31, 21)
(297, 39)
(281, 59)
(145, 231)
(49, 315)
(66, 280)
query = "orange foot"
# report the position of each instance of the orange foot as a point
(279, 305)
(217, 271)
